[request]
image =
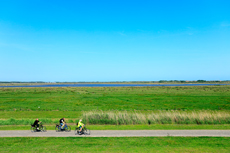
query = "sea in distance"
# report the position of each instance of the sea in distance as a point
(109, 85)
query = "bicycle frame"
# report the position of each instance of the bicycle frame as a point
(59, 127)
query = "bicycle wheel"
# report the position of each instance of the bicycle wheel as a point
(86, 131)
(76, 131)
(57, 129)
(43, 129)
(33, 129)
(68, 129)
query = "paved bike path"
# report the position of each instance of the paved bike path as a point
(119, 133)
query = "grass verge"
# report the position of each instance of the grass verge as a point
(130, 127)
(123, 144)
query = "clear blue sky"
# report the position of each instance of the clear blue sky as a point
(108, 40)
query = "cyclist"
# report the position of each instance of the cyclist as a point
(36, 123)
(80, 125)
(62, 122)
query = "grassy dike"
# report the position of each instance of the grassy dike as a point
(122, 144)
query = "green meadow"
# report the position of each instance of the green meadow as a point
(117, 105)
(117, 108)
(115, 98)
(122, 144)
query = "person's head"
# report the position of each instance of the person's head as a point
(80, 120)
(37, 119)
(63, 118)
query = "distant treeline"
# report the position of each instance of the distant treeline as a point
(197, 81)
(22, 82)
(161, 81)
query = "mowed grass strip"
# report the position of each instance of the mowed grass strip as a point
(115, 98)
(123, 144)
(39, 114)
(128, 127)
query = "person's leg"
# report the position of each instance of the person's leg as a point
(80, 129)
(61, 125)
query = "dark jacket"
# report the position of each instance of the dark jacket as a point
(36, 122)
(61, 120)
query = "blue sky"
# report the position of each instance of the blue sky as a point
(108, 40)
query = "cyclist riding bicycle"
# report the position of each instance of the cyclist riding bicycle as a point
(36, 123)
(62, 122)
(80, 125)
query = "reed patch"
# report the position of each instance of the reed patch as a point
(160, 117)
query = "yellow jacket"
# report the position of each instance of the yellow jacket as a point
(80, 124)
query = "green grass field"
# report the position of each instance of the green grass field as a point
(20, 106)
(51, 104)
(123, 144)
(115, 98)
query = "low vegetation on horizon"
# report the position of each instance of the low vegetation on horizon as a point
(11, 83)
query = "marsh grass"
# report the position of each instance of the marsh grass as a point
(115, 98)
(160, 117)
(205, 117)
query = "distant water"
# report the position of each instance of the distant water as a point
(111, 85)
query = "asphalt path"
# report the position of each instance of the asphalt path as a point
(119, 133)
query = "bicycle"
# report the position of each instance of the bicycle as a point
(65, 128)
(40, 128)
(84, 131)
